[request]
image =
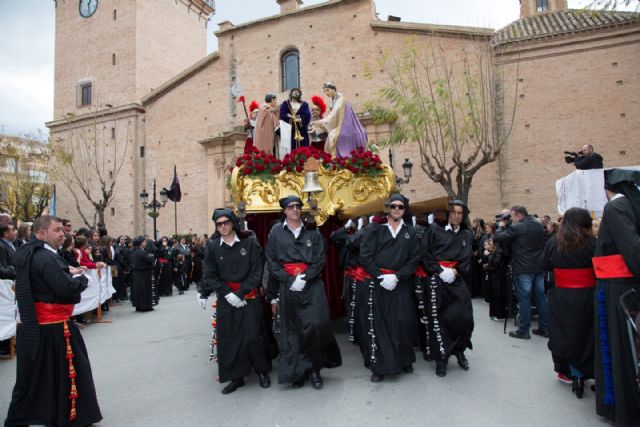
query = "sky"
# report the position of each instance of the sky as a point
(28, 31)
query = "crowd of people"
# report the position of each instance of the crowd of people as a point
(408, 285)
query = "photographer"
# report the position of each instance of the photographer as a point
(585, 159)
(525, 236)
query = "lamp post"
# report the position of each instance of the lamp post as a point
(406, 169)
(154, 205)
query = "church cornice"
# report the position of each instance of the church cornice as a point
(111, 113)
(227, 27)
(179, 78)
(418, 28)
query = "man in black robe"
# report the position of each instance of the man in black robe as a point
(386, 306)
(142, 264)
(445, 255)
(617, 266)
(54, 384)
(295, 258)
(233, 269)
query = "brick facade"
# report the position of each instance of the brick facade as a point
(570, 94)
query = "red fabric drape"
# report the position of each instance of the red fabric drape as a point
(333, 275)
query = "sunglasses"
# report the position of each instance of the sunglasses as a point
(399, 207)
(294, 206)
(221, 223)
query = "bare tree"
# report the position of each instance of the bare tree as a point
(89, 161)
(25, 178)
(451, 104)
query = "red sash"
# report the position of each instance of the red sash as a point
(611, 267)
(59, 313)
(295, 268)
(359, 273)
(52, 313)
(163, 260)
(574, 278)
(235, 287)
(420, 272)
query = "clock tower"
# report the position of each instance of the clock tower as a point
(113, 52)
(109, 54)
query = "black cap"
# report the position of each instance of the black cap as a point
(285, 201)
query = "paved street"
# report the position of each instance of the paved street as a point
(152, 369)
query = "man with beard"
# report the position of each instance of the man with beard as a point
(233, 269)
(54, 384)
(297, 114)
(617, 266)
(295, 258)
(388, 325)
(445, 255)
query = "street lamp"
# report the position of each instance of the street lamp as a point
(406, 169)
(154, 205)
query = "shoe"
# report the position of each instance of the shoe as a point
(233, 386)
(497, 319)
(441, 367)
(519, 334)
(577, 387)
(316, 380)
(265, 380)
(298, 384)
(462, 360)
(407, 369)
(563, 378)
(427, 357)
(376, 378)
(540, 332)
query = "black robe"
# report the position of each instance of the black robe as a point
(449, 311)
(395, 326)
(41, 392)
(571, 315)
(164, 271)
(142, 289)
(241, 332)
(617, 396)
(306, 340)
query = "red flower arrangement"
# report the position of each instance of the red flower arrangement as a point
(294, 161)
(258, 163)
(360, 163)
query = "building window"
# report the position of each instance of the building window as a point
(542, 5)
(113, 133)
(141, 151)
(290, 70)
(113, 59)
(84, 93)
(113, 211)
(114, 14)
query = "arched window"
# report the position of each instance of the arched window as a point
(290, 70)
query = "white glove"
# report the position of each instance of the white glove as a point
(447, 275)
(233, 300)
(413, 220)
(389, 281)
(349, 224)
(202, 301)
(299, 283)
(360, 223)
(430, 219)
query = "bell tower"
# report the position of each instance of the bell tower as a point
(113, 52)
(536, 7)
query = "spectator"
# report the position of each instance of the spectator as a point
(588, 159)
(525, 237)
(24, 234)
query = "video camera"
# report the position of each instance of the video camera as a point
(506, 217)
(571, 156)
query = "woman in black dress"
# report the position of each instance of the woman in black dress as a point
(142, 267)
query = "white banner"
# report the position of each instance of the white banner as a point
(284, 146)
(8, 310)
(99, 290)
(584, 189)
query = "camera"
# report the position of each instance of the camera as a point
(503, 217)
(571, 156)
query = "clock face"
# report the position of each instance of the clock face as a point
(87, 7)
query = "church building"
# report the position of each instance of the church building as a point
(135, 76)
